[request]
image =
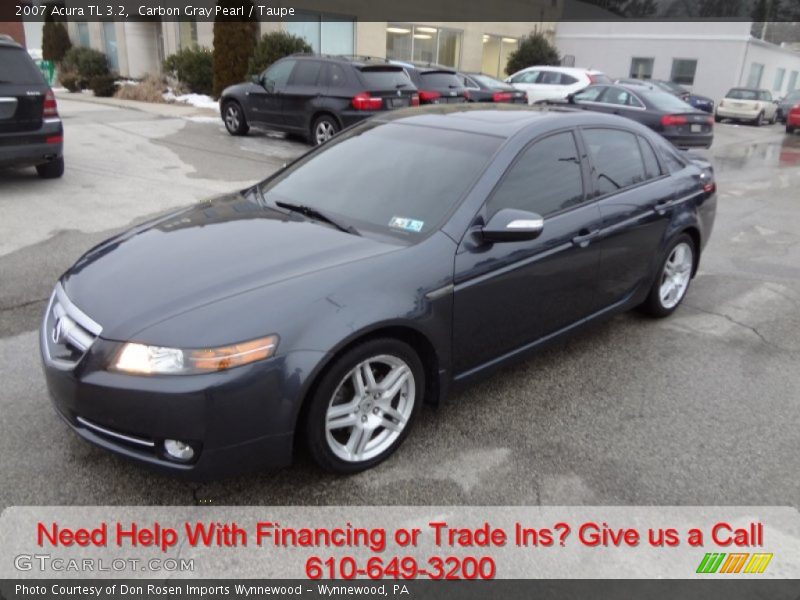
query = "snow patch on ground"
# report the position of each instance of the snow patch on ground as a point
(196, 100)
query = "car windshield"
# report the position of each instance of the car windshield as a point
(664, 101)
(378, 78)
(17, 67)
(440, 79)
(740, 94)
(490, 82)
(389, 178)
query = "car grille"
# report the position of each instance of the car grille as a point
(67, 333)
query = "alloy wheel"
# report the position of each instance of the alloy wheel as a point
(370, 408)
(324, 131)
(232, 118)
(676, 275)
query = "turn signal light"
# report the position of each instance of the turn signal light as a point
(415, 100)
(219, 359)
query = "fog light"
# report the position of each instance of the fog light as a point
(179, 450)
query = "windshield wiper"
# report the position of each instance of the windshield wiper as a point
(317, 214)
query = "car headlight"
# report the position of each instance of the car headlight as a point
(140, 359)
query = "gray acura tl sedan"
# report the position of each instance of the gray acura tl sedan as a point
(412, 252)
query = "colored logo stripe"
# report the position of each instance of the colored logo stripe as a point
(714, 562)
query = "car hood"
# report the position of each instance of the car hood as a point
(201, 255)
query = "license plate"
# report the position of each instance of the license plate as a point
(697, 128)
(398, 102)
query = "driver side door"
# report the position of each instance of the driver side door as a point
(509, 295)
(266, 100)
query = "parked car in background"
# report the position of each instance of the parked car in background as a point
(436, 84)
(747, 104)
(793, 119)
(696, 100)
(316, 96)
(31, 132)
(681, 124)
(553, 83)
(483, 88)
(786, 104)
(326, 304)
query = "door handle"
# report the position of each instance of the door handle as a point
(585, 237)
(662, 206)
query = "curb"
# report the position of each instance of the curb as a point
(173, 110)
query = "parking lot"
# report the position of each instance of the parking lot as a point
(701, 408)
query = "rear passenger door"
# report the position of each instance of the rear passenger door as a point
(633, 191)
(302, 89)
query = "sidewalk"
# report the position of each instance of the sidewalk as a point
(174, 110)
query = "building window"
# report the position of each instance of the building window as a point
(187, 35)
(642, 68)
(778, 83)
(792, 82)
(83, 35)
(683, 70)
(325, 34)
(423, 43)
(754, 79)
(496, 50)
(110, 44)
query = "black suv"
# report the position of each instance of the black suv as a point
(436, 84)
(316, 96)
(31, 133)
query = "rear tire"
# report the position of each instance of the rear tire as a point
(52, 170)
(717, 118)
(789, 129)
(323, 129)
(364, 405)
(673, 278)
(233, 116)
(774, 119)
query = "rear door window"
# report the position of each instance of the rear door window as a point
(616, 158)
(17, 67)
(545, 179)
(306, 73)
(651, 166)
(527, 77)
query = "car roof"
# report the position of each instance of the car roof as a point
(502, 120)
(568, 70)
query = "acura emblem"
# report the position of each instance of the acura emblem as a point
(60, 331)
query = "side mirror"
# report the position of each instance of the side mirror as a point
(511, 225)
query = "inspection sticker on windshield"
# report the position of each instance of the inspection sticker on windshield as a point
(406, 224)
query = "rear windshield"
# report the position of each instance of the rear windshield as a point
(379, 78)
(440, 80)
(393, 179)
(664, 101)
(740, 94)
(17, 67)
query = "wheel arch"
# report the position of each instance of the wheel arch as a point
(321, 112)
(694, 232)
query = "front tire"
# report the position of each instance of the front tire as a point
(759, 120)
(233, 116)
(673, 279)
(52, 170)
(323, 129)
(364, 406)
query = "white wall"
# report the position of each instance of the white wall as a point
(719, 49)
(773, 58)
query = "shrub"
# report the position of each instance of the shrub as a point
(103, 86)
(192, 67)
(87, 63)
(533, 50)
(273, 46)
(150, 89)
(55, 41)
(234, 42)
(70, 80)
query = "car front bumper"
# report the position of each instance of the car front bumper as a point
(236, 420)
(30, 148)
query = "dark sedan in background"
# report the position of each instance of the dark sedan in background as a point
(316, 96)
(415, 251)
(703, 103)
(678, 122)
(482, 88)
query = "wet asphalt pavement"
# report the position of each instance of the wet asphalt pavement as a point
(701, 408)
